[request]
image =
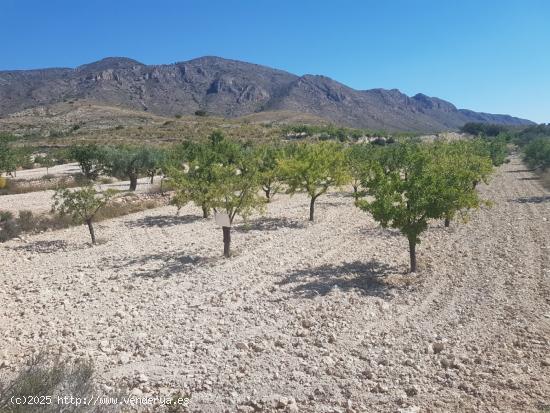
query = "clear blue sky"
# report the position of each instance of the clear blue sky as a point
(485, 55)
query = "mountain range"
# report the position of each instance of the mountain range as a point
(231, 88)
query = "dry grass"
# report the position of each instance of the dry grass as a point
(14, 186)
(45, 379)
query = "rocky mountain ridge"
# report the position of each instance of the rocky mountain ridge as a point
(231, 88)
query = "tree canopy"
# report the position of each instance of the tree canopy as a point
(314, 168)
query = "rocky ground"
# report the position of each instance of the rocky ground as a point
(305, 317)
(41, 201)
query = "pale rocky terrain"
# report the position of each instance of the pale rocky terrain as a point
(305, 317)
(41, 201)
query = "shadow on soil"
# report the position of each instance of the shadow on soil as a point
(532, 199)
(367, 277)
(269, 224)
(168, 265)
(162, 221)
(381, 232)
(44, 247)
(520, 170)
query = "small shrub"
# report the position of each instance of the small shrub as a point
(5, 216)
(9, 230)
(26, 221)
(52, 379)
(200, 112)
(3, 182)
(118, 209)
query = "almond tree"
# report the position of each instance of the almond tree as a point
(270, 174)
(358, 158)
(463, 164)
(409, 186)
(314, 168)
(82, 205)
(222, 176)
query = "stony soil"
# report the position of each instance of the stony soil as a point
(41, 201)
(305, 317)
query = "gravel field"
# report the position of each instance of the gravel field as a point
(57, 170)
(41, 201)
(305, 317)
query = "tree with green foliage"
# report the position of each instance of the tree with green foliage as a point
(358, 159)
(8, 158)
(463, 164)
(45, 161)
(270, 175)
(314, 168)
(537, 153)
(158, 162)
(409, 186)
(130, 162)
(486, 129)
(190, 171)
(222, 176)
(236, 190)
(90, 158)
(81, 205)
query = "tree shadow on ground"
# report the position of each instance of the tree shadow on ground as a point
(43, 247)
(162, 221)
(269, 224)
(381, 232)
(520, 170)
(532, 199)
(366, 277)
(340, 194)
(170, 264)
(531, 178)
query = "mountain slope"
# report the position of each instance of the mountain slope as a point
(230, 88)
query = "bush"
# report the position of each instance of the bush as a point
(26, 221)
(537, 153)
(9, 230)
(200, 112)
(5, 216)
(3, 182)
(51, 379)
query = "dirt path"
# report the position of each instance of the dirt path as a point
(323, 313)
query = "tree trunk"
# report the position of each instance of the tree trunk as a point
(133, 182)
(268, 194)
(447, 222)
(91, 229)
(312, 208)
(412, 253)
(226, 241)
(152, 177)
(355, 192)
(205, 212)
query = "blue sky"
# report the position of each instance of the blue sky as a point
(484, 55)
